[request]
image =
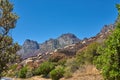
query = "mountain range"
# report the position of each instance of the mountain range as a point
(64, 42)
(32, 48)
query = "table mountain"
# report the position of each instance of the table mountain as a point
(32, 48)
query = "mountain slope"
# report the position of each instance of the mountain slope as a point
(32, 48)
(64, 43)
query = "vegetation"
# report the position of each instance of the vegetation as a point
(22, 73)
(7, 47)
(57, 73)
(68, 73)
(109, 60)
(118, 7)
(72, 64)
(106, 57)
(87, 55)
(44, 69)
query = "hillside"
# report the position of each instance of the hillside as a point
(32, 48)
(64, 42)
(67, 53)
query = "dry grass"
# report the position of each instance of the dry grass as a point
(88, 73)
(33, 78)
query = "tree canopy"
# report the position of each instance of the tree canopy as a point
(8, 49)
(109, 60)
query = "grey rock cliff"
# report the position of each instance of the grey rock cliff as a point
(28, 48)
(32, 48)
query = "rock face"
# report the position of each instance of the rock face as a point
(32, 48)
(60, 42)
(28, 48)
(67, 39)
(66, 43)
(107, 28)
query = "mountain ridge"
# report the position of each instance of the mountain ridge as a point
(33, 48)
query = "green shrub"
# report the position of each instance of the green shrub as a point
(22, 73)
(57, 73)
(29, 74)
(72, 64)
(87, 55)
(37, 72)
(109, 59)
(44, 69)
(13, 67)
(68, 73)
(61, 62)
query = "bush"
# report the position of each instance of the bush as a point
(68, 73)
(61, 62)
(44, 69)
(29, 74)
(87, 55)
(57, 73)
(72, 64)
(22, 73)
(109, 59)
(13, 67)
(11, 71)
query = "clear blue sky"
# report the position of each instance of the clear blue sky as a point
(44, 19)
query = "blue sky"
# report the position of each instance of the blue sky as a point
(44, 19)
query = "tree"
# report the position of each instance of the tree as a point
(87, 55)
(109, 60)
(8, 49)
(118, 7)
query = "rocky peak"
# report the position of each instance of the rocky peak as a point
(30, 44)
(32, 48)
(60, 42)
(107, 28)
(28, 48)
(67, 39)
(68, 35)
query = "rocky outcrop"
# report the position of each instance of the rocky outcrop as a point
(28, 48)
(66, 43)
(67, 39)
(59, 43)
(71, 50)
(107, 28)
(32, 48)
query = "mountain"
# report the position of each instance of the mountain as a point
(65, 46)
(67, 39)
(28, 48)
(32, 48)
(67, 43)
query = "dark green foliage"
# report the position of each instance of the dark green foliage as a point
(109, 60)
(57, 73)
(7, 22)
(22, 73)
(44, 69)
